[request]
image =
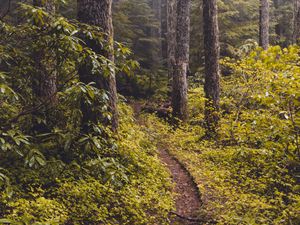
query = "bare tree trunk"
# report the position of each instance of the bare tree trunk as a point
(264, 23)
(296, 32)
(99, 13)
(212, 71)
(171, 35)
(179, 92)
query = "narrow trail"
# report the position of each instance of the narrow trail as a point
(188, 199)
(188, 202)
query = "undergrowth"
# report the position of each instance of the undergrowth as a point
(251, 174)
(137, 189)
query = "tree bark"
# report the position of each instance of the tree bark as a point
(179, 92)
(296, 32)
(264, 23)
(212, 71)
(171, 35)
(45, 85)
(99, 13)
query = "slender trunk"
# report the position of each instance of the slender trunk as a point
(156, 6)
(171, 35)
(164, 30)
(296, 32)
(212, 71)
(179, 92)
(264, 23)
(278, 26)
(99, 13)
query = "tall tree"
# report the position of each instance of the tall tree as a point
(164, 29)
(171, 34)
(99, 13)
(264, 23)
(296, 32)
(212, 71)
(45, 84)
(179, 92)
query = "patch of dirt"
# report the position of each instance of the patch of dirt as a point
(188, 201)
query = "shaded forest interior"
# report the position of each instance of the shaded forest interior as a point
(150, 112)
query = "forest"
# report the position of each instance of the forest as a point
(150, 112)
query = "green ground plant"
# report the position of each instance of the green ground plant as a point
(57, 174)
(251, 175)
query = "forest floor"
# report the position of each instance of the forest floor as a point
(187, 201)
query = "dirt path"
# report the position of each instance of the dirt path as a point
(188, 197)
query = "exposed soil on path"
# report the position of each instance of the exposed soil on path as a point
(188, 202)
(188, 199)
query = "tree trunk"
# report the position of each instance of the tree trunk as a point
(296, 32)
(156, 6)
(171, 35)
(278, 26)
(45, 85)
(212, 71)
(264, 17)
(179, 92)
(164, 30)
(99, 13)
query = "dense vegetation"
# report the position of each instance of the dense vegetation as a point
(251, 175)
(62, 161)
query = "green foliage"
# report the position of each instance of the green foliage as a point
(251, 175)
(52, 172)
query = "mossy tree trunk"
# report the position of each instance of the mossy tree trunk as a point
(179, 91)
(212, 71)
(99, 13)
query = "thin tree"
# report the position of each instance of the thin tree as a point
(164, 29)
(296, 31)
(171, 35)
(99, 13)
(179, 92)
(264, 23)
(278, 27)
(212, 71)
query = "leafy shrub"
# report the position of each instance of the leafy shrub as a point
(53, 172)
